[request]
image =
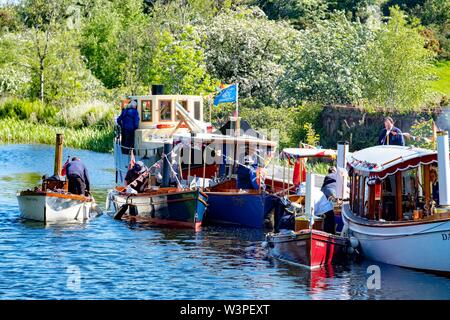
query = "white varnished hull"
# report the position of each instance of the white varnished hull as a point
(47, 208)
(424, 246)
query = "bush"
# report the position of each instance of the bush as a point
(35, 111)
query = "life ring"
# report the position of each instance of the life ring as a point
(164, 126)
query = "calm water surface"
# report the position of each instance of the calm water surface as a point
(117, 260)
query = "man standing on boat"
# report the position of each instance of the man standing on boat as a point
(128, 122)
(78, 177)
(434, 185)
(391, 135)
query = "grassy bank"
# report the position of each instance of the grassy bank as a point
(442, 71)
(24, 131)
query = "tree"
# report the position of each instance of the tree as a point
(44, 18)
(327, 67)
(397, 65)
(301, 13)
(118, 42)
(178, 63)
(244, 46)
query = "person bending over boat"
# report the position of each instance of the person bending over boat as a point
(391, 135)
(135, 177)
(78, 177)
(329, 184)
(322, 207)
(128, 122)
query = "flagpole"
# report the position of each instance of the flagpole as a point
(210, 107)
(237, 99)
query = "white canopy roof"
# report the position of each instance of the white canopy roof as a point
(380, 158)
(307, 152)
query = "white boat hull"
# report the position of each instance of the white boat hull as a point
(424, 246)
(47, 208)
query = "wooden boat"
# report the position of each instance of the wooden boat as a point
(307, 244)
(231, 206)
(228, 205)
(308, 247)
(56, 206)
(171, 207)
(52, 203)
(160, 205)
(391, 212)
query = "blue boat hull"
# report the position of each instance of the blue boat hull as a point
(239, 209)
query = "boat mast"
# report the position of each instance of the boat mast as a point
(58, 153)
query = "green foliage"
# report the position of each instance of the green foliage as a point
(442, 82)
(327, 68)
(178, 63)
(397, 66)
(423, 131)
(301, 13)
(312, 138)
(245, 46)
(22, 131)
(118, 43)
(33, 111)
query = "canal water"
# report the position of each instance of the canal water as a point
(108, 259)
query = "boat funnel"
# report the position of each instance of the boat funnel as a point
(341, 176)
(157, 89)
(58, 154)
(443, 168)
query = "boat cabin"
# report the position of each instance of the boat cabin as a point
(392, 183)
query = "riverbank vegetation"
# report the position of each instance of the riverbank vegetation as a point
(65, 63)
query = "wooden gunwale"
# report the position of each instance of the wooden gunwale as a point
(441, 217)
(56, 195)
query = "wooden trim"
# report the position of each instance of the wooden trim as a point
(393, 224)
(372, 202)
(203, 201)
(56, 195)
(399, 195)
(426, 184)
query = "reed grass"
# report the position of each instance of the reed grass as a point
(98, 139)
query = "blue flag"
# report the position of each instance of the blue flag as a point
(229, 94)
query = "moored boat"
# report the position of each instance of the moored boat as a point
(307, 245)
(51, 202)
(171, 207)
(391, 210)
(56, 206)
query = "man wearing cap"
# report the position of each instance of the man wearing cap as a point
(391, 135)
(136, 177)
(128, 122)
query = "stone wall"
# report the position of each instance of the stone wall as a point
(361, 129)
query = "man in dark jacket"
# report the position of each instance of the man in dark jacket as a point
(391, 135)
(128, 122)
(78, 177)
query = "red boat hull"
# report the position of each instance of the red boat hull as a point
(310, 248)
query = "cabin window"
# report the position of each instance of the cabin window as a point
(165, 110)
(184, 104)
(146, 110)
(197, 110)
